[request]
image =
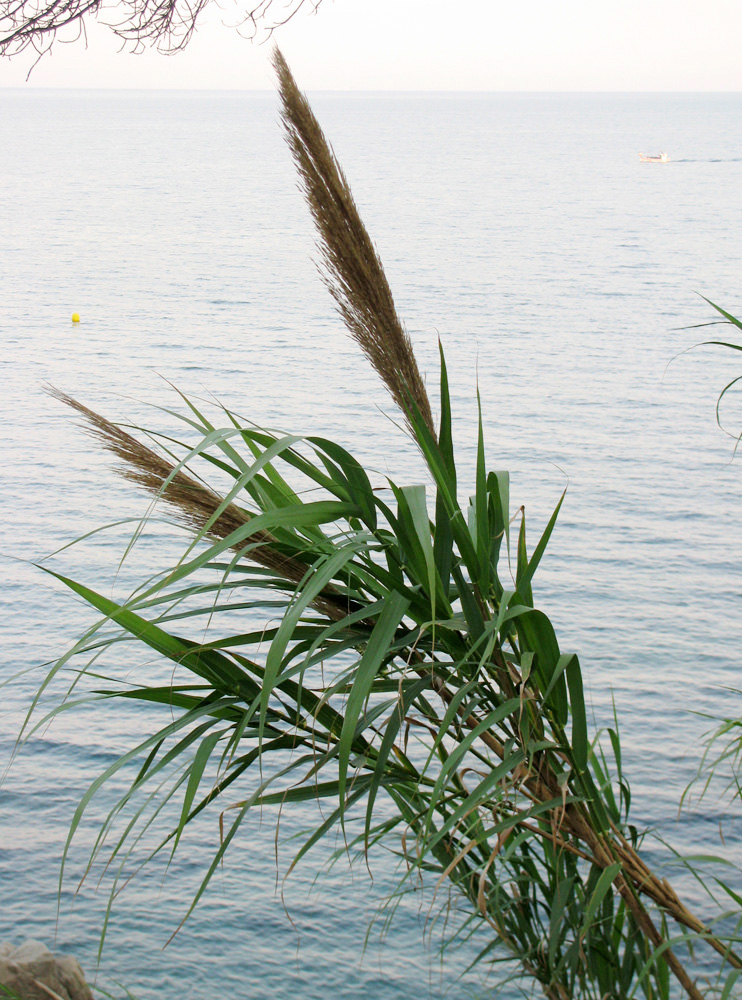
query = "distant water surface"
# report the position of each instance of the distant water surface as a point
(556, 269)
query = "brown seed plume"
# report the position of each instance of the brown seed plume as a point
(350, 265)
(194, 504)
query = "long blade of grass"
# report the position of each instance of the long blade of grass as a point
(373, 657)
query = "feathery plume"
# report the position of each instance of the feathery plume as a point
(194, 504)
(351, 267)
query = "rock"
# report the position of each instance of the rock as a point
(72, 978)
(32, 972)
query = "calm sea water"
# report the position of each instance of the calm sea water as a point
(557, 270)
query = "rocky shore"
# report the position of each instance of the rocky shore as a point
(31, 972)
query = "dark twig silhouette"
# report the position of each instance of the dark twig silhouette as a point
(166, 25)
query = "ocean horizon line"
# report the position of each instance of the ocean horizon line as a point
(372, 92)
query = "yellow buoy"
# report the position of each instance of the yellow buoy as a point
(75, 317)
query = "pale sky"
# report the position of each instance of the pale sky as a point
(433, 45)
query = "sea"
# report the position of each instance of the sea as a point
(567, 282)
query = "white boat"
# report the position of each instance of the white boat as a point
(661, 158)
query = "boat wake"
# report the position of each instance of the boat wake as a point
(713, 159)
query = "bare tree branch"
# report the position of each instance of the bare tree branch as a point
(166, 25)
